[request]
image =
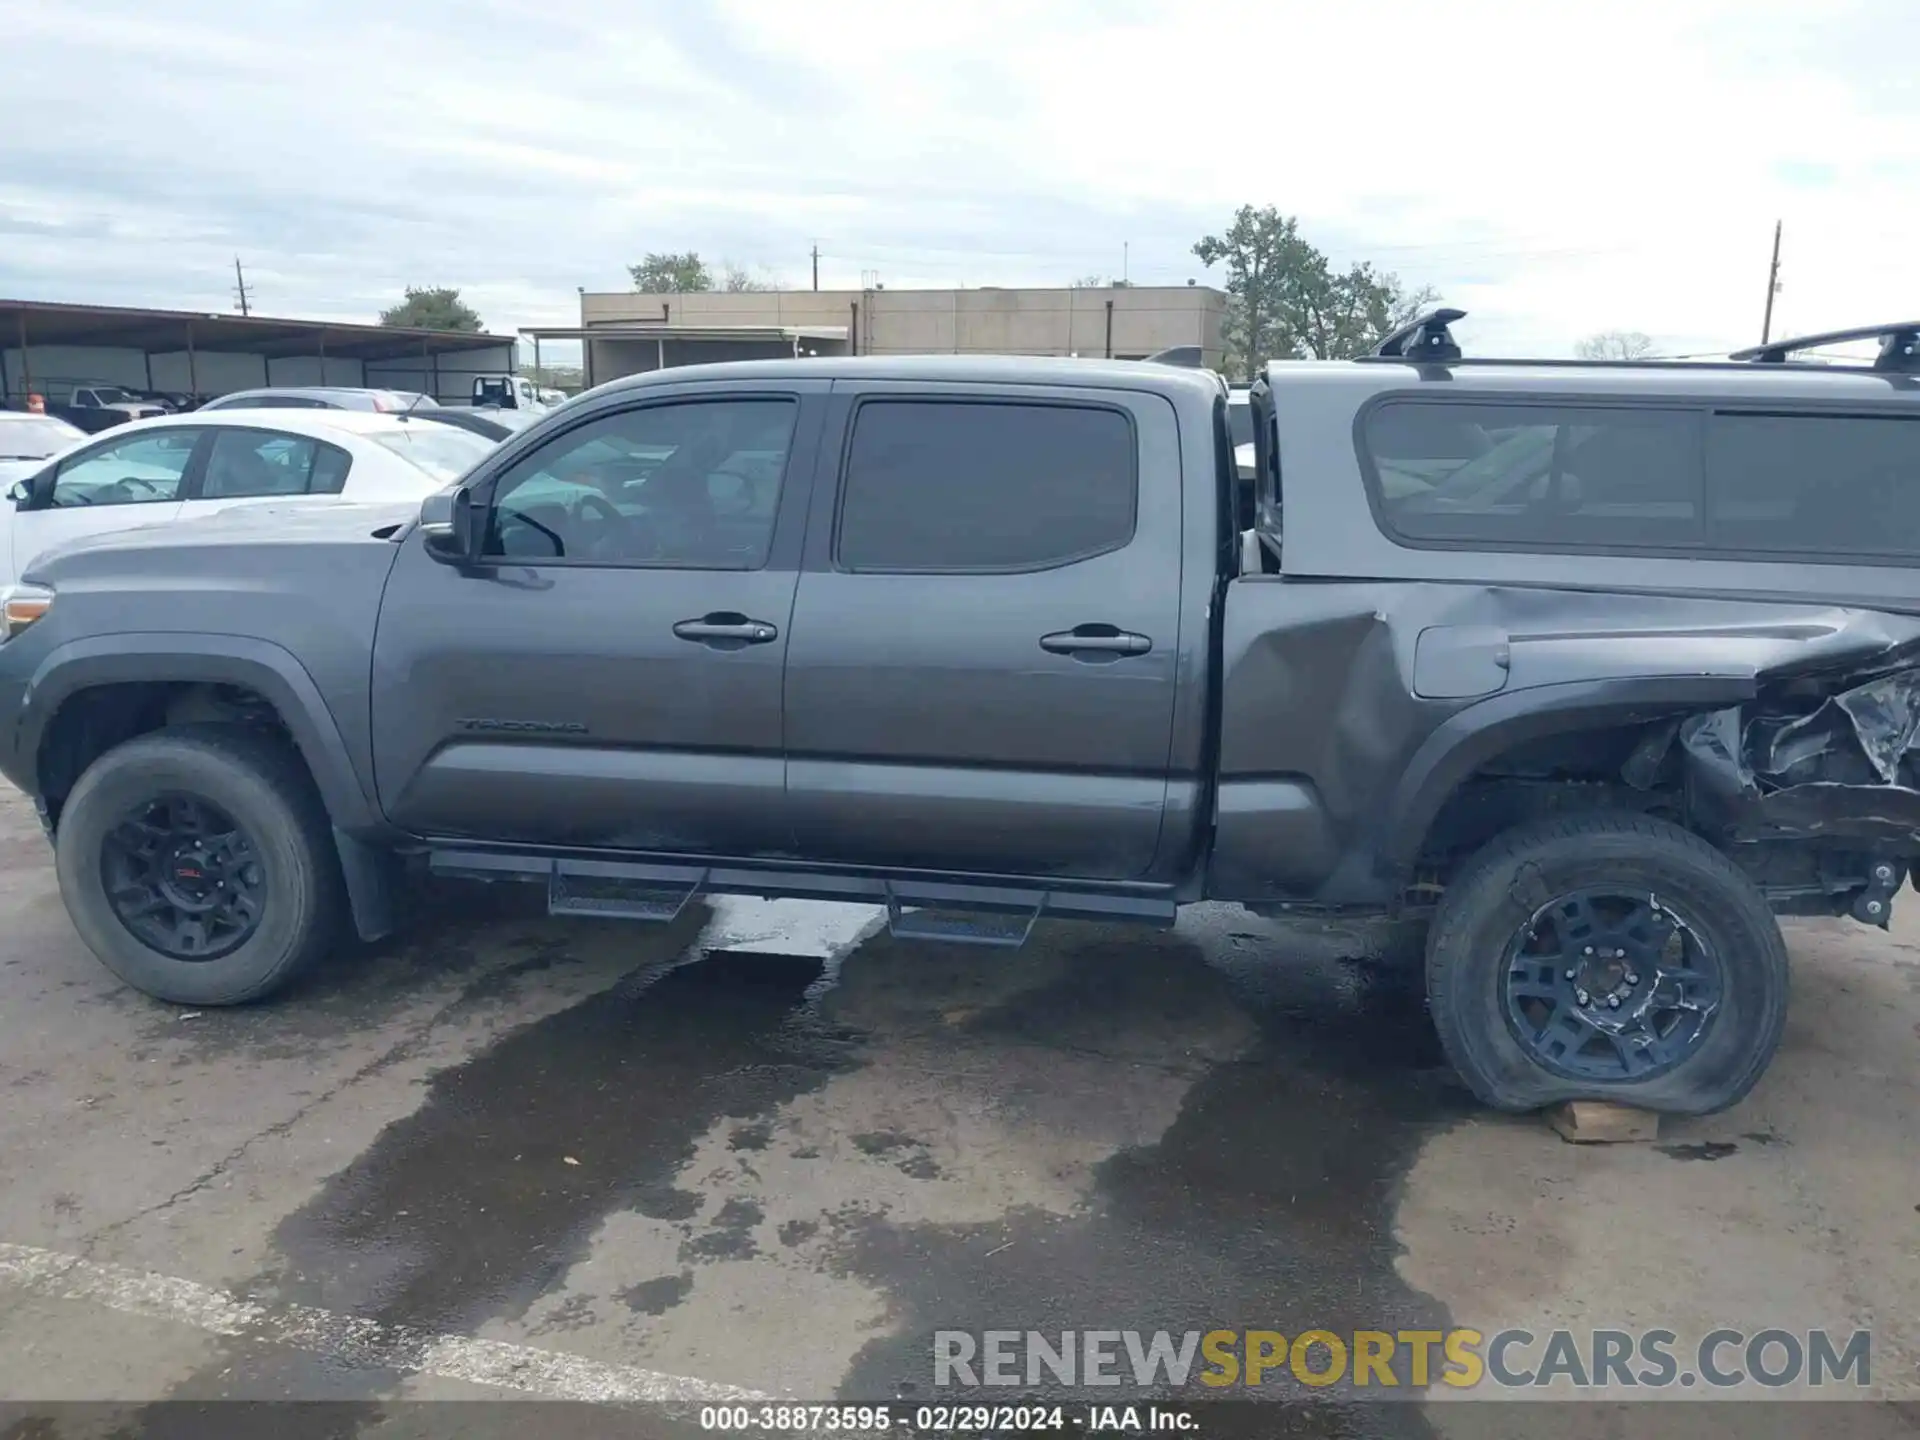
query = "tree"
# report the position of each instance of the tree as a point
(1614, 345)
(671, 273)
(738, 280)
(1261, 249)
(1286, 301)
(436, 307)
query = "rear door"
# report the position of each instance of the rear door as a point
(982, 671)
(609, 675)
(128, 480)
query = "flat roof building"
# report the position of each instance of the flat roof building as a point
(624, 333)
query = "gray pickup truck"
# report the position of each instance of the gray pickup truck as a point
(1592, 669)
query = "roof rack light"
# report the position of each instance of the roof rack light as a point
(1424, 340)
(1899, 346)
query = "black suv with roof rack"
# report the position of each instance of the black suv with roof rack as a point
(1584, 671)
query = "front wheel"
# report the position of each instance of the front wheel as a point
(197, 863)
(1606, 957)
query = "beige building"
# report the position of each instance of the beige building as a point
(624, 333)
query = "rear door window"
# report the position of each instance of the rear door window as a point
(983, 486)
(244, 463)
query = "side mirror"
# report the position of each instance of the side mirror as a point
(452, 525)
(19, 492)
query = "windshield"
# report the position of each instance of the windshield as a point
(440, 450)
(34, 437)
(113, 395)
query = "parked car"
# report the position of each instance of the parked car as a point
(94, 408)
(1592, 668)
(492, 424)
(495, 425)
(508, 392)
(181, 466)
(27, 440)
(174, 402)
(323, 397)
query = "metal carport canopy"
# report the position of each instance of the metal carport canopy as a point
(28, 323)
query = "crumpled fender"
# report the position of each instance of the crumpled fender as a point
(1790, 765)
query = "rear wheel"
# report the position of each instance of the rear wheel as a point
(198, 864)
(1606, 957)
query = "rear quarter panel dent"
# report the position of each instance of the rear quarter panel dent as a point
(1317, 692)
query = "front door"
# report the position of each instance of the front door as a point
(129, 480)
(609, 676)
(985, 639)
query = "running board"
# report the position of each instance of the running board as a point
(963, 919)
(603, 890)
(954, 911)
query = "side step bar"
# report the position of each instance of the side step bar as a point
(953, 911)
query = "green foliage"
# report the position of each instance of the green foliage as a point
(671, 273)
(1287, 302)
(432, 307)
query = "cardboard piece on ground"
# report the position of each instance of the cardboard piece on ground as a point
(1597, 1122)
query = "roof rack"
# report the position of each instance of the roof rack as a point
(1899, 346)
(1425, 340)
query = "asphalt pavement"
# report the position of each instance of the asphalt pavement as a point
(766, 1150)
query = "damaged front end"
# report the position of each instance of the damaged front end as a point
(1814, 785)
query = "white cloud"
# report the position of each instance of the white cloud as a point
(1555, 169)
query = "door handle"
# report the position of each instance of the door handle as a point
(1095, 639)
(726, 630)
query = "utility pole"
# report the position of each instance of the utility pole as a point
(240, 287)
(1773, 286)
(1126, 251)
(816, 267)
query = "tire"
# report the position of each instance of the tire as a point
(261, 785)
(1521, 889)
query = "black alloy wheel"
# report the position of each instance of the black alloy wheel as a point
(184, 878)
(1602, 984)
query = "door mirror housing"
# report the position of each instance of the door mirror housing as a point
(453, 525)
(20, 492)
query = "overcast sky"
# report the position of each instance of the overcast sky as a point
(1554, 168)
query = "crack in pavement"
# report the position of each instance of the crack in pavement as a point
(404, 1048)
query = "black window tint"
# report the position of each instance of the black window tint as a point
(1814, 484)
(245, 463)
(952, 485)
(694, 485)
(329, 474)
(1536, 475)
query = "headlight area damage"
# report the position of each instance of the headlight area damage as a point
(1814, 784)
